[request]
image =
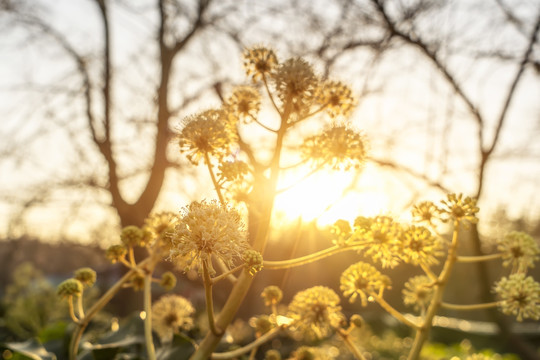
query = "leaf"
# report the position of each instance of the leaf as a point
(30, 348)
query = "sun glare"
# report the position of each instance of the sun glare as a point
(328, 196)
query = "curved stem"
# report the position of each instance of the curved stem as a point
(470, 306)
(396, 314)
(227, 274)
(209, 300)
(213, 177)
(150, 350)
(471, 259)
(284, 264)
(80, 308)
(71, 310)
(352, 347)
(270, 94)
(429, 272)
(244, 349)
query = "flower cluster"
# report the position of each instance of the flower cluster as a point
(253, 260)
(338, 146)
(296, 84)
(244, 103)
(363, 280)
(418, 292)
(70, 288)
(86, 276)
(171, 314)
(519, 296)
(459, 208)
(208, 229)
(419, 246)
(383, 237)
(519, 250)
(316, 312)
(425, 212)
(259, 62)
(272, 295)
(337, 98)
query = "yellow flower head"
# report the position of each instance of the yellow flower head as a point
(384, 237)
(171, 314)
(132, 236)
(160, 227)
(115, 253)
(70, 287)
(272, 295)
(168, 280)
(520, 296)
(363, 280)
(86, 276)
(253, 260)
(232, 170)
(425, 212)
(296, 85)
(342, 231)
(316, 312)
(259, 62)
(244, 103)
(418, 292)
(419, 246)
(337, 98)
(460, 208)
(519, 250)
(206, 133)
(208, 229)
(272, 354)
(262, 324)
(338, 146)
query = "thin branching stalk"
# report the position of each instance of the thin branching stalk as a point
(71, 310)
(209, 300)
(227, 274)
(213, 177)
(150, 350)
(247, 348)
(346, 337)
(472, 259)
(80, 307)
(396, 314)
(469, 306)
(284, 264)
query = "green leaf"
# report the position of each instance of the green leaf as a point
(31, 349)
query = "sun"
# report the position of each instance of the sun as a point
(330, 195)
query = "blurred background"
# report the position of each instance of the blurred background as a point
(92, 93)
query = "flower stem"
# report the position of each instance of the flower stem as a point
(214, 180)
(470, 259)
(253, 345)
(396, 314)
(469, 306)
(352, 347)
(209, 300)
(284, 264)
(71, 310)
(80, 308)
(150, 350)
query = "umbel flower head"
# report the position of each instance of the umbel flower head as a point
(296, 85)
(460, 208)
(316, 312)
(338, 146)
(384, 237)
(519, 250)
(132, 236)
(362, 280)
(253, 260)
(171, 314)
(206, 133)
(208, 229)
(272, 295)
(70, 287)
(418, 292)
(425, 212)
(519, 296)
(419, 246)
(259, 62)
(244, 103)
(336, 98)
(115, 253)
(86, 276)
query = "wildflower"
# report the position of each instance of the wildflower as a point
(519, 250)
(131, 236)
(253, 260)
(171, 314)
(419, 246)
(244, 103)
(425, 211)
(259, 62)
(168, 280)
(159, 228)
(316, 312)
(115, 253)
(519, 296)
(336, 98)
(342, 230)
(206, 229)
(232, 170)
(362, 280)
(70, 287)
(383, 236)
(206, 133)
(86, 276)
(261, 324)
(338, 146)
(459, 208)
(296, 84)
(272, 354)
(272, 295)
(418, 292)
(137, 282)
(357, 321)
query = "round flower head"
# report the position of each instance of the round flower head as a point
(115, 253)
(384, 236)
(419, 246)
(244, 103)
(362, 280)
(261, 324)
(519, 251)
(296, 84)
(425, 212)
(342, 231)
(418, 292)
(259, 62)
(70, 287)
(160, 226)
(132, 236)
(206, 229)
(168, 280)
(232, 170)
(207, 133)
(460, 208)
(86, 276)
(171, 314)
(337, 99)
(520, 296)
(338, 146)
(272, 354)
(272, 295)
(253, 260)
(137, 282)
(316, 312)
